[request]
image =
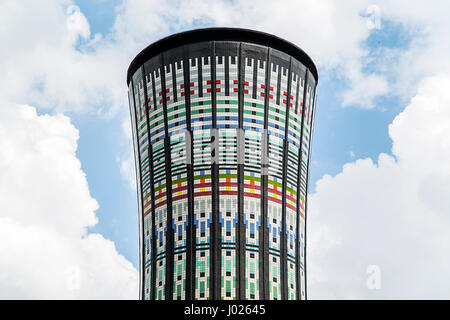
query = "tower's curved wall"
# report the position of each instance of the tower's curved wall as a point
(222, 122)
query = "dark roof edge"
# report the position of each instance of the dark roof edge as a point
(220, 34)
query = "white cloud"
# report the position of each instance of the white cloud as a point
(364, 89)
(60, 65)
(126, 161)
(52, 62)
(422, 29)
(331, 33)
(46, 209)
(77, 24)
(393, 214)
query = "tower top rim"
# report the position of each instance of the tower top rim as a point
(220, 34)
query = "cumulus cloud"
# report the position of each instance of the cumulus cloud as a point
(51, 60)
(419, 48)
(59, 64)
(126, 161)
(393, 214)
(332, 33)
(77, 24)
(46, 209)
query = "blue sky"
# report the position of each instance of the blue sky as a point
(99, 145)
(379, 175)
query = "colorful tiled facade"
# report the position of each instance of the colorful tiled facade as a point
(222, 132)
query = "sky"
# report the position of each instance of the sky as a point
(378, 223)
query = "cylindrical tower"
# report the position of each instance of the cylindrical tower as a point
(222, 121)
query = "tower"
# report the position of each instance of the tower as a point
(222, 121)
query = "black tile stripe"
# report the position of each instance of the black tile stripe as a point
(240, 237)
(278, 83)
(300, 157)
(283, 247)
(227, 73)
(150, 164)
(297, 91)
(174, 82)
(264, 232)
(170, 236)
(153, 204)
(190, 232)
(255, 77)
(215, 255)
(200, 77)
(297, 263)
(198, 63)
